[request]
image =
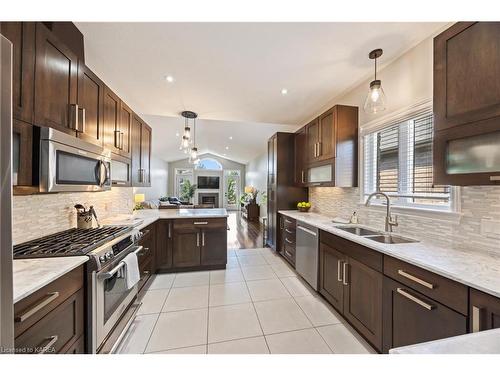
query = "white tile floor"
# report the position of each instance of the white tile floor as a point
(258, 305)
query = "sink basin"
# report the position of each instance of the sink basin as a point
(390, 239)
(360, 231)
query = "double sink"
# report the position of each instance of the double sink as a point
(377, 236)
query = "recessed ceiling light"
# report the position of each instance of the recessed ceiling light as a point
(284, 91)
(230, 137)
(169, 79)
(227, 147)
(223, 154)
(176, 134)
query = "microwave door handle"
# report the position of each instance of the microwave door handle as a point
(106, 173)
(101, 173)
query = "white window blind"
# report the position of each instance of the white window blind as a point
(398, 161)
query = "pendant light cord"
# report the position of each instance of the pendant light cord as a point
(375, 68)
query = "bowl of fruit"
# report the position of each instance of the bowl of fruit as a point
(303, 206)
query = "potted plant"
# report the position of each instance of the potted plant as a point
(187, 190)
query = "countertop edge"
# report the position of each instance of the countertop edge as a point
(429, 267)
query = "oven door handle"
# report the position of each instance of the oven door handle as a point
(138, 250)
(110, 274)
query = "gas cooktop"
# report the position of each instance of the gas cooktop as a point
(71, 242)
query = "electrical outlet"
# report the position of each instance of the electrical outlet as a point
(490, 228)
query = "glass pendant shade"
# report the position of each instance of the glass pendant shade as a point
(187, 132)
(185, 143)
(375, 100)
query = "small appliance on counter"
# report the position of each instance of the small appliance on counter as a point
(84, 217)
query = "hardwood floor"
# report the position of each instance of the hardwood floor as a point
(244, 234)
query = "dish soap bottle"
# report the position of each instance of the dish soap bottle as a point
(354, 218)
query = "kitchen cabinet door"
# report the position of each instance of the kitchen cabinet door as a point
(126, 117)
(186, 248)
(326, 142)
(146, 155)
(467, 75)
(164, 245)
(484, 311)
(411, 318)
(112, 138)
(22, 37)
(313, 139)
(214, 247)
(135, 148)
(56, 82)
(331, 263)
(90, 105)
(300, 141)
(22, 153)
(363, 300)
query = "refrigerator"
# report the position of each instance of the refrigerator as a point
(6, 298)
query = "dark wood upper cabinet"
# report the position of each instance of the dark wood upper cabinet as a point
(313, 139)
(91, 106)
(126, 116)
(135, 138)
(22, 36)
(327, 140)
(146, 155)
(484, 311)
(69, 34)
(112, 135)
(56, 82)
(301, 156)
(467, 104)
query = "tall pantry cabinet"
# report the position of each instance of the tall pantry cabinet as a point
(282, 194)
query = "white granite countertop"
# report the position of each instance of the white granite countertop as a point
(485, 342)
(30, 275)
(479, 270)
(145, 217)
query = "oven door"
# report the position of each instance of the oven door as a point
(112, 299)
(66, 168)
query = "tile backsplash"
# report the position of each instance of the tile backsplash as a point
(477, 203)
(38, 215)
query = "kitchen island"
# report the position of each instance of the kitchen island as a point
(183, 239)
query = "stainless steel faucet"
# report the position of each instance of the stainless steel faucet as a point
(389, 221)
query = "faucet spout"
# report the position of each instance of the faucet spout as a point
(389, 221)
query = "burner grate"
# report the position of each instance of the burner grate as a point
(71, 242)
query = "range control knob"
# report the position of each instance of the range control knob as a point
(109, 255)
(102, 258)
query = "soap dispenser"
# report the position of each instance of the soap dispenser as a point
(354, 218)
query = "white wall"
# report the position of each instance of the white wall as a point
(159, 180)
(256, 175)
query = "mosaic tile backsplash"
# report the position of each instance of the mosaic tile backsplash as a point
(465, 233)
(38, 215)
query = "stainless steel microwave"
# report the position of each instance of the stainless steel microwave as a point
(71, 164)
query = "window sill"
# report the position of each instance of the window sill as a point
(449, 216)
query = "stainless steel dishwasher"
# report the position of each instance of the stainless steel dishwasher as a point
(307, 253)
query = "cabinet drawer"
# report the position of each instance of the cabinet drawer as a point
(439, 288)
(289, 240)
(367, 256)
(289, 223)
(57, 331)
(200, 223)
(145, 271)
(289, 253)
(31, 309)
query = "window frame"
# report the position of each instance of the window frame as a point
(413, 111)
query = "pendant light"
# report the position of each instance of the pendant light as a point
(186, 137)
(375, 100)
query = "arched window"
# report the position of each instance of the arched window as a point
(210, 164)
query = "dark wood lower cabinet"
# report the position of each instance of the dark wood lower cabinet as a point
(330, 275)
(411, 318)
(147, 257)
(484, 311)
(363, 300)
(164, 235)
(186, 248)
(214, 246)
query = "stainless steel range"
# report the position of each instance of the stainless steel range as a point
(111, 305)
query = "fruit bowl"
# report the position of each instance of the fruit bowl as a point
(304, 209)
(303, 206)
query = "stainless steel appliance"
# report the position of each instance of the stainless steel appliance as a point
(6, 299)
(110, 303)
(307, 253)
(71, 164)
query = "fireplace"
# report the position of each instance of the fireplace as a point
(209, 198)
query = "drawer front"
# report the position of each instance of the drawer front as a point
(362, 254)
(411, 318)
(57, 331)
(31, 309)
(289, 239)
(289, 253)
(189, 224)
(289, 223)
(446, 291)
(145, 272)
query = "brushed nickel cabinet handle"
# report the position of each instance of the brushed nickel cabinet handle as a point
(288, 221)
(303, 180)
(169, 230)
(200, 223)
(289, 253)
(339, 270)
(416, 279)
(202, 238)
(121, 140)
(53, 340)
(344, 274)
(320, 148)
(418, 301)
(288, 231)
(198, 239)
(287, 240)
(33, 310)
(476, 319)
(73, 117)
(494, 178)
(117, 139)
